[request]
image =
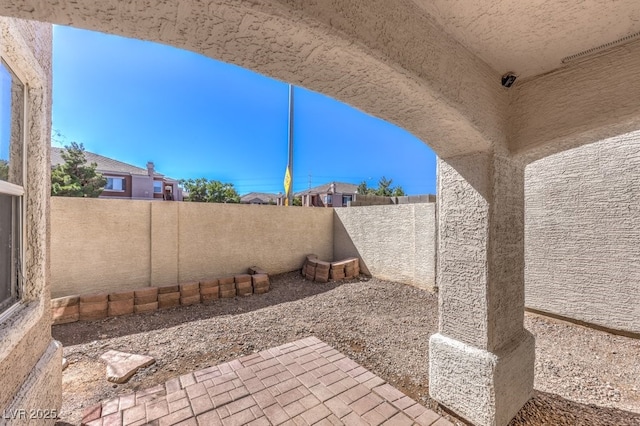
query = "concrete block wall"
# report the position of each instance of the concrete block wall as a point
(582, 253)
(106, 246)
(393, 242)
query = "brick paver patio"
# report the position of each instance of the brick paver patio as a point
(306, 382)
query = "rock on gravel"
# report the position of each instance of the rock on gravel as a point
(382, 325)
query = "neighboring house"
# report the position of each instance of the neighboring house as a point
(334, 194)
(126, 180)
(259, 198)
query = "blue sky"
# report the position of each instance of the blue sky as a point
(196, 117)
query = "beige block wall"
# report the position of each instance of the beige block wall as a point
(583, 234)
(393, 242)
(99, 245)
(221, 239)
(103, 245)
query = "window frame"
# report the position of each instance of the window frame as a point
(328, 199)
(122, 178)
(19, 192)
(161, 187)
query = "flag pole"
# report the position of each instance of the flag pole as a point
(289, 181)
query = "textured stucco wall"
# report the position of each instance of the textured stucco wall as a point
(109, 245)
(394, 242)
(583, 233)
(30, 363)
(350, 50)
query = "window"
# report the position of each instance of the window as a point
(157, 187)
(346, 200)
(12, 165)
(116, 184)
(328, 199)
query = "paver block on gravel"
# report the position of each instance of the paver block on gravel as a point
(209, 283)
(121, 295)
(228, 287)
(121, 307)
(121, 365)
(189, 288)
(65, 314)
(94, 298)
(242, 278)
(226, 280)
(190, 300)
(146, 307)
(65, 301)
(93, 311)
(144, 296)
(166, 300)
(169, 289)
(227, 294)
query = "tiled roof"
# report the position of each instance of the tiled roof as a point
(339, 187)
(262, 196)
(105, 164)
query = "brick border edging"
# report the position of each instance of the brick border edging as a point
(89, 307)
(318, 270)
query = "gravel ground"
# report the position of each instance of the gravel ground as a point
(583, 376)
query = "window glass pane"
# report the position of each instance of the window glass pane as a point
(11, 127)
(9, 249)
(115, 184)
(157, 187)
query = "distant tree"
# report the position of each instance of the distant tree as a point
(210, 191)
(384, 188)
(297, 201)
(74, 177)
(363, 188)
(4, 170)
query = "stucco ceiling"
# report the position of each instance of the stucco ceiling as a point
(532, 37)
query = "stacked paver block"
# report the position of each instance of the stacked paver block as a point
(260, 283)
(310, 267)
(227, 287)
(352, 268)
(93, 306)
(65, 309)
(243, 285)
(145, 299)
(322, 271)
(190, 293)
(168, 296)
(347, 268)
(315, 269)
(120, 303)
(337, 271)
(209, 290)
(98, 306)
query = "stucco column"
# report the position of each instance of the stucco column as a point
(481, 360)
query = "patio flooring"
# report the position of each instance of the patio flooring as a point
(305, 382)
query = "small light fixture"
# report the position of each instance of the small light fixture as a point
(508, 79)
